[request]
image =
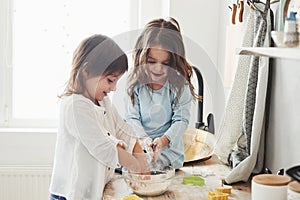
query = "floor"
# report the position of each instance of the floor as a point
(211, 170)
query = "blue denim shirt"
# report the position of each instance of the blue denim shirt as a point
(154, 114)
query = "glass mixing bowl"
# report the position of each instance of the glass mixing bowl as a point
(152, 183)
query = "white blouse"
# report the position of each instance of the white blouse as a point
(86, 153)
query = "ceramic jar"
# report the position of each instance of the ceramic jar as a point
(293, 191)
(269, 186)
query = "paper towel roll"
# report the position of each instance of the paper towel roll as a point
(269, 186)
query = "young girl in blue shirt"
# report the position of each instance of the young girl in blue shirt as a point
(160, 92)
(92, 138)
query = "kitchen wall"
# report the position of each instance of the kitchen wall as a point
(283, 137)
(200, 22)
(27, 147)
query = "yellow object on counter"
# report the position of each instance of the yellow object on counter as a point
(132, 197)
(224, 189)
(217, 196)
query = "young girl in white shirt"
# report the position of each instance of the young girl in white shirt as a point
(92, 138)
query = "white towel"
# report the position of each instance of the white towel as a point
(230, 133)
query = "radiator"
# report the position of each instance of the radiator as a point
(25, 182)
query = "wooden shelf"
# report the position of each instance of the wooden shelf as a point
(274, 52)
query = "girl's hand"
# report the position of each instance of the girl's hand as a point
(139, 154)
(122, 145)
(145, 143)
(157, 145)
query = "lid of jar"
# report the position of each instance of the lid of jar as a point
(271, 179)
(295, 186)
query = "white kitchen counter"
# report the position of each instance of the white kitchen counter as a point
(211, 170)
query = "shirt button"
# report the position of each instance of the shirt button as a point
(108, 134)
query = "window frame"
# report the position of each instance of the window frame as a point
(5, 63)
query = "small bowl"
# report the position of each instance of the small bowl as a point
(156, 183)
(277, 37)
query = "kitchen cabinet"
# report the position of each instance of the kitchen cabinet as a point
(283, 135)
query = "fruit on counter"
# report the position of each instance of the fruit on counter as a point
(217, 196)
(132, 197)
(194, 180)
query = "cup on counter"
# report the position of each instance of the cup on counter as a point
(269, 186)
(293, 192)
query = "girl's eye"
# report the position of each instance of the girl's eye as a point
(151, 62)
(154, 62)
(110, 81)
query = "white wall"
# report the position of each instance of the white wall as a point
(200, 22)
(283, 136)
(30, 147)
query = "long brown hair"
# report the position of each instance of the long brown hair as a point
(167, 35)
(97, 55)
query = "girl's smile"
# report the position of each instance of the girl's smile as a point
(157, 74)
